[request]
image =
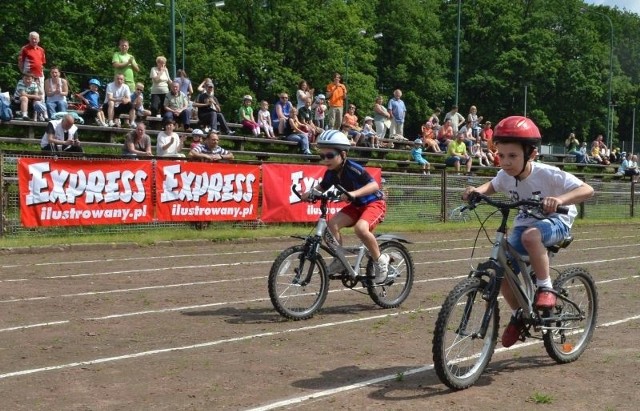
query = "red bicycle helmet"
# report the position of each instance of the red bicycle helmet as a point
(517, 129)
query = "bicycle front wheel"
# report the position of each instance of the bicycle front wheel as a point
(568, 334)
(460, 353)
(397, 287)
(298, 286)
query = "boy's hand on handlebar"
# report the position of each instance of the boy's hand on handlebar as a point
(467, 194)
(550, 204)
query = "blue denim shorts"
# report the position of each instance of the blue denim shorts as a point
(552, 230)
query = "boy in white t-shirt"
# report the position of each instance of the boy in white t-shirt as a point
(521, 178)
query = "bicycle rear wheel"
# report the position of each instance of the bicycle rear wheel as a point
(568, 335)
(298, 286)
(460, 355)
(397, 287)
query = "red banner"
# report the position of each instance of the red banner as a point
(74, 192)
(190, 191)
(279, 202)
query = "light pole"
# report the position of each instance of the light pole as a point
(173, 10)
(610, 102)
(346, 60)
(458, 53)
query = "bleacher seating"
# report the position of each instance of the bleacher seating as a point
(249, 148)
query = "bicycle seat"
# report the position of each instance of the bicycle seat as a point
(562, 244)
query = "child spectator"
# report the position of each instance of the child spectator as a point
(29, 96)
(478, 152)
(264, 120)
(629, 167)
(305, 115)
(91, 98)
(369, 135)
(522, 178)
(585, 153)
(368, 207)
(416, 155)
(137, 99)
(196, 138)
(429, 138)
(320, 109)
(245, 114)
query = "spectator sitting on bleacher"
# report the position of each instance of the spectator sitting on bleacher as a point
(487, 142)
(598, 151)
(176, 107)
(29, 96)
(209, 150)
(137, 99)
(297, 134)
(585, 153)
(469, 139)
(245, 115)
(457, 154)
(368, 134)
(56, 89)
(91, 99)
(629, 166)
(281, 114)
(573, 147)
(416, 155)
(196, 138)
(61, 135)
(429, 138)
(117, 101)
(478, 152)
(305, 116)
(209, 115)
(445, 135)
(350, 125)
(264, 119)
(137, 142)
(169, 143)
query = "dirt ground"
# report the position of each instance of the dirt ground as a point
(191, 327)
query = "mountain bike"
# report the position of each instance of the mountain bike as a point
(299, 279)
(467, 326)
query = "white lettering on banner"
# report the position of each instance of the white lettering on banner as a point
(181, 211)
(302, 183)
(217, 187)
(96, 186)
(49, 213)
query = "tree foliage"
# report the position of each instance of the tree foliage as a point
(263, 47)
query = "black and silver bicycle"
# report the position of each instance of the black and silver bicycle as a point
(299, 279)
(467, 326)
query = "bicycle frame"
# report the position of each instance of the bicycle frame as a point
(499, 267)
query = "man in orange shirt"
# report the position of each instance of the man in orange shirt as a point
(336, 93)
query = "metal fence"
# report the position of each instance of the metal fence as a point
(412, 198)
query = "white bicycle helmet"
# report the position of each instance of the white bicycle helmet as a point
(334, 139)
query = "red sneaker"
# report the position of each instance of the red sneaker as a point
(545, 299)
(511, 334)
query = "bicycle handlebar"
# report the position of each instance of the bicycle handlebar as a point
(315, 195)
(475, 198)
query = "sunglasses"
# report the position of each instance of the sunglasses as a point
(328, 156)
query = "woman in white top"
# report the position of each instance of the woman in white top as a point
(169, 143)
(56, 90)
(160, 85)
(303, 93)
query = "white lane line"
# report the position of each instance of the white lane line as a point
(126, 290)
(205, 344)
(362, 384)
(147, 258)
(24, 327)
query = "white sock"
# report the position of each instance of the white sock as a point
(546, 283)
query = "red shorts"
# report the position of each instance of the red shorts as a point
(373, 213)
